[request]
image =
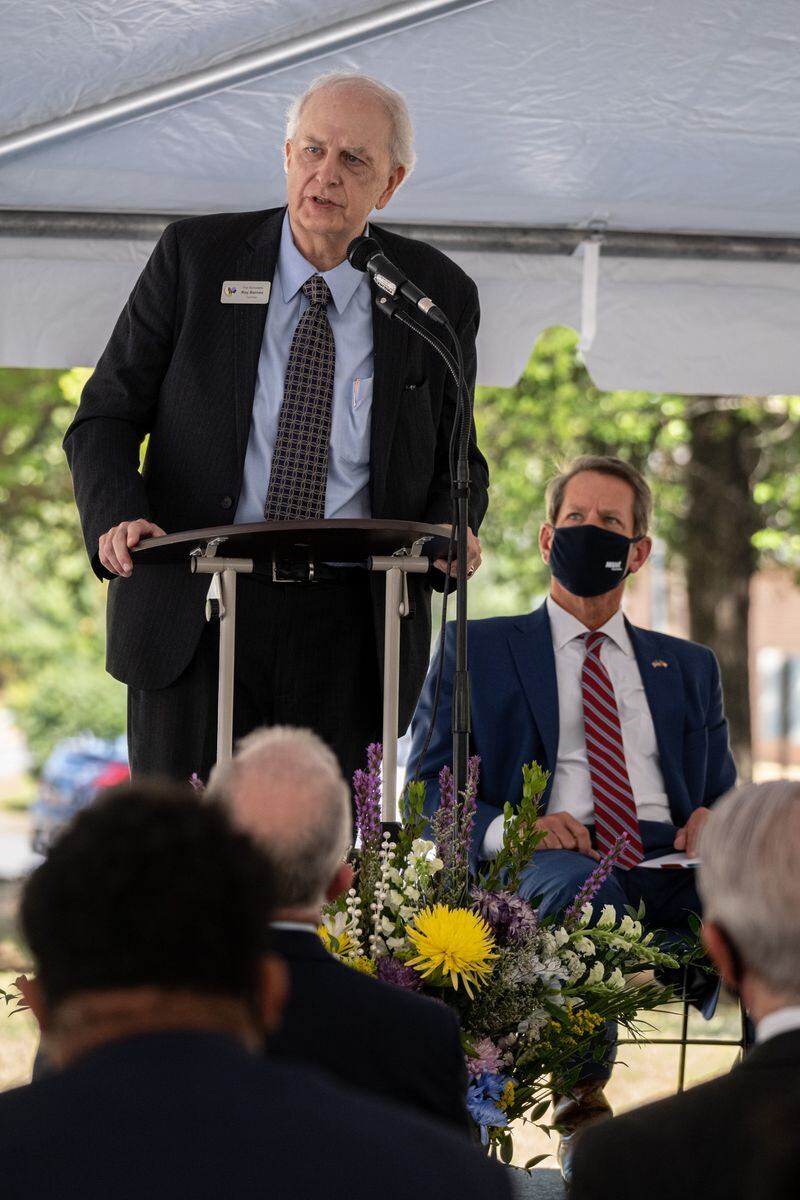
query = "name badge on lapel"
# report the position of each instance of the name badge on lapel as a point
(245, 291)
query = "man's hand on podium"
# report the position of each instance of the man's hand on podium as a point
(473, 555)
(113, 546)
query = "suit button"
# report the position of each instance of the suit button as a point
(226, 502)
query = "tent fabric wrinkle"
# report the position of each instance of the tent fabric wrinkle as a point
(650, 118)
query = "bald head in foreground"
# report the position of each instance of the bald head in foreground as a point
(735, 1136)
(284, 787)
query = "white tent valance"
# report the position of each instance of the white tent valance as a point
(530, 115)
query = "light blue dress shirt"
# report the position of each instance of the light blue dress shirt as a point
(350, 316)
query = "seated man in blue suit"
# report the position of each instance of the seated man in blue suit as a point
(629, 723)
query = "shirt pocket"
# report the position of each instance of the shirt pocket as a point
(355, 432)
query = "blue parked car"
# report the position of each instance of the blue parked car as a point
(78, 767)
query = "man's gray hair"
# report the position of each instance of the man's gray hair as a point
(284, 787)
(749, 878)
(401, 139)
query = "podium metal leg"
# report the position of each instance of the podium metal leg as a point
(223, 594)
(227, 659)
(391, 691)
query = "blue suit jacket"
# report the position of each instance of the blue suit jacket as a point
(514, 707)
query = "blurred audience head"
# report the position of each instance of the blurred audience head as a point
(285, 788)
(149, 912)
(749, 882)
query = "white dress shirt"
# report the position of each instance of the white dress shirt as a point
(572, 783)
(783, 1020)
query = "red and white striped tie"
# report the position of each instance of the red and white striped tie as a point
(614, 805)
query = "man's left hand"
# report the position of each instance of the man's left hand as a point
(473, 555)
(688, 838)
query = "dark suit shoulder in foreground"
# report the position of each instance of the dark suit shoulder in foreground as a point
(193, 1116)
(733, 1137)
(368, 1034)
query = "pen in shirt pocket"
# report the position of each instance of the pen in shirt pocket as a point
(356, 386)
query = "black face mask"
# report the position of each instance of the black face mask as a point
(588, 560)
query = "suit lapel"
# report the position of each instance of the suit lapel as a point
(663, 686)
(389, 343)
(256, 260)
(531, 645)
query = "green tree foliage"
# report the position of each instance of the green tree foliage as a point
(53, 610)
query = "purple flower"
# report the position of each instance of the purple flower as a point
(487, 1058)
(505, 913)
(392, 970)
(367, 797)
(593, 884)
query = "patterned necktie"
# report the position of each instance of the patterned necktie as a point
(299, 473)
(614, 805)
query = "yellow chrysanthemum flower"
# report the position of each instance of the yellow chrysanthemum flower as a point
(360, 962)
(507, 1098)
(342, 946)
(453, 944)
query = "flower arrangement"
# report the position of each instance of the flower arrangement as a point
(532, 994)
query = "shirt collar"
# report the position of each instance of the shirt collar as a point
(294, 270)
(565, 628)
(783, 1020)
(294, 927)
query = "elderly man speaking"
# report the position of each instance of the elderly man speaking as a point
(251, 357)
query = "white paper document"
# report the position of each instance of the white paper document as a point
(677, 859)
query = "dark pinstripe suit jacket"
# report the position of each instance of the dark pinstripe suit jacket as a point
(180, 368)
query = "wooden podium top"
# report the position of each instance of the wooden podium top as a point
(337, 540)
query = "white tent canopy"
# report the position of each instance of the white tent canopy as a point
(669, 130)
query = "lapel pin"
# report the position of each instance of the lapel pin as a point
(658, 662)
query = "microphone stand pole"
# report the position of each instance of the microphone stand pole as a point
(459, 491)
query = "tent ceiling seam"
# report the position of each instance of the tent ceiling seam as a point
(335, 38)
(553, 240)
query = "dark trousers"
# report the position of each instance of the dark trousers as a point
(669, 898)
(305, 655)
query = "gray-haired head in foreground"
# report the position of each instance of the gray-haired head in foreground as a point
(284, 787)
(749, 878)
(401, 142)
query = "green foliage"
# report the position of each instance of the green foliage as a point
(53, 613)
(521, 836)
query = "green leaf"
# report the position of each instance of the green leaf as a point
(534, 1162)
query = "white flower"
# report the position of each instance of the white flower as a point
(396, 943)
(608, 917)
(630, 928)
(406, 912)
(585, 945)
(434, 865)
(386, 925)
(421, 847)
(616, 980)
(596, 974)
(586, 914)
(412, 893)
(561, 936)
(394, 899)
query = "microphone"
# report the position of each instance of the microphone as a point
(365, 254)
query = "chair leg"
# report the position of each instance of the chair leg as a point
(682, 1049)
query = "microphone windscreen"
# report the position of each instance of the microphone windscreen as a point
(360, 251)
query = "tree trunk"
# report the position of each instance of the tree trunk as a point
(720, 558)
